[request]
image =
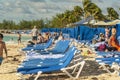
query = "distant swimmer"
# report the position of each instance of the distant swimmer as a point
(19, 38)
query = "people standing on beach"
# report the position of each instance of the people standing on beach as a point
(34, 33)
(2, 47)
(107, 35)
(19, 38)
(113, 40)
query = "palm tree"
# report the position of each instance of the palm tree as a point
(85, 7)
(78, 13)
(112, 14)
(58, 20)
(91, 9)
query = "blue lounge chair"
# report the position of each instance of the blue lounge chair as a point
(64, 66)
(39, 46)
(60, 48)
(102, 53)
(110, 61)
(26, 65)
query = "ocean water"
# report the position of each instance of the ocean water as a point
(8, 38)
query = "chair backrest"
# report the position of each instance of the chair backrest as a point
(67, 54)
(49, 43)
(62, 47)
(46, 45)
(69, 58)
(57, 45)
(65, 63)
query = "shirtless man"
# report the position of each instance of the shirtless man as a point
(2, 47)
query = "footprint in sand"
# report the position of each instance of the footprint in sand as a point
(94, 78)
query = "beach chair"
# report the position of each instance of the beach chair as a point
(108, 54)
(111, 59)
(60, 48)
(83, 43)
(113, 62)
(45, 62)
(71, 63)
(39, 46)
(103, 53)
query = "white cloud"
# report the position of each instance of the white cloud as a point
(37, 9)
(37, 0)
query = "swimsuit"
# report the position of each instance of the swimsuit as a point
(1, 59)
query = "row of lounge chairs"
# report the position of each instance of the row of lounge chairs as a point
(70, 60)
(111, 59)
(105, 59)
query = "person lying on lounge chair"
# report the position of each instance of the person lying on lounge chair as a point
(101, 37)
(40, 39)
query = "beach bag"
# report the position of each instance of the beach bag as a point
(102, 47)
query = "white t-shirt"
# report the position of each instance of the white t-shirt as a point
(34, 32)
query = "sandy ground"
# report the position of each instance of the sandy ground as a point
(91, 70)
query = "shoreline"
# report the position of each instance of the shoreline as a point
(28, 35)
(12, 38)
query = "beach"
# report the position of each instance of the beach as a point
(86, 27)
(13, 38)
(91, 70)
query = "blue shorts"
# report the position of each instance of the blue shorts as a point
(1, 59)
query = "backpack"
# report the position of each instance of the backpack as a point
(102, 47)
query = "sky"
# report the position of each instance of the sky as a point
(17, 10)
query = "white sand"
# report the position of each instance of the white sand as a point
(91, 69)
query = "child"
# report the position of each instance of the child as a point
(2, 47)
(19, 38)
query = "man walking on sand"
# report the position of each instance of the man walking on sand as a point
(2, 47)
(34, 33)
(19, 38)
